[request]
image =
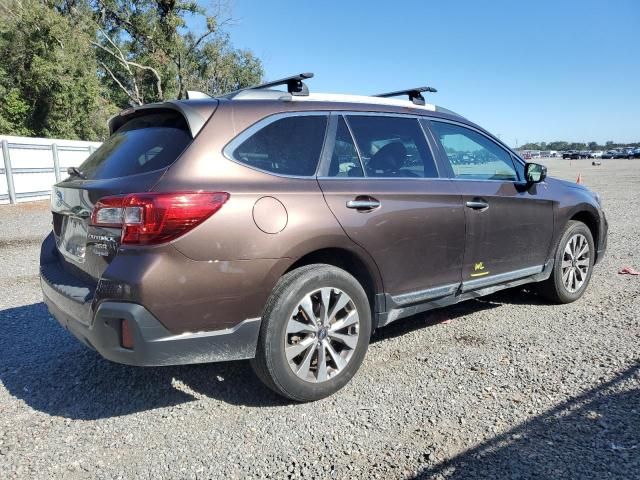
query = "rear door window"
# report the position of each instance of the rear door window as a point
(392, 146)
(145, 143)
(287, 146)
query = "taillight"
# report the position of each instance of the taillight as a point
(152, 218)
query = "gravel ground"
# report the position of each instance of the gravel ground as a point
(502, 387)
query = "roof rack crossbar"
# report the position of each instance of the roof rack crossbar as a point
(415, 94)
(294, 83)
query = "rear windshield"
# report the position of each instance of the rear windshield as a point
(143, 144)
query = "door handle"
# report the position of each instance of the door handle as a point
(363, 204)
(478, 204)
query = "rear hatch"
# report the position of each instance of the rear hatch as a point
(144, 145)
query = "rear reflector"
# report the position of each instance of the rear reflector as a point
(127, 335)
(152, 218)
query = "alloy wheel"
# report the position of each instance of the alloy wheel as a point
(321, 334)
(575, 262)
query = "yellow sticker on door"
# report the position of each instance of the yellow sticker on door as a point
(478, 270)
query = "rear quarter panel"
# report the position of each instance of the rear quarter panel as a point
(232, 233)
(232, 237)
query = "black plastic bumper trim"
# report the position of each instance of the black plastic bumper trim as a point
(154, 345)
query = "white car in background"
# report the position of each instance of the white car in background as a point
(596, 154)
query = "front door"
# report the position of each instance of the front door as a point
(385, 192)
(509, 228)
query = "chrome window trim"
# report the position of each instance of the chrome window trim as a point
(455, 179)
(413, 179)
(228, 149)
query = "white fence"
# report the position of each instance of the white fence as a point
(32, 165)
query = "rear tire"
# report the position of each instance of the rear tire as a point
(314, 334)
(572, 267)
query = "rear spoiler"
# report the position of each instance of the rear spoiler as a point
(195, 112)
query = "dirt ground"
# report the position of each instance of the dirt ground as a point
(506, 386)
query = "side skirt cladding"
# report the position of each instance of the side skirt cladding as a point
(406, 305)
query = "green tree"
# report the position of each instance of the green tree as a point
(558, 145)
(146, 52)
(530, 146)
(48, 76)
(67, 65)
(13, 112)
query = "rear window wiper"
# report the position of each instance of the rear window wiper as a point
(75, 172)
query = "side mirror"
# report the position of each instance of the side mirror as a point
(534, 172)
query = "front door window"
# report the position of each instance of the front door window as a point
(472, 155)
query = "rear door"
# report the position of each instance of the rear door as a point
(509, 227)
(132, 160)
(381, 182)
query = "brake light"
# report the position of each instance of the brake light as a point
(152, 218)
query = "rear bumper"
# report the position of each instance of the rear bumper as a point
(154, 345)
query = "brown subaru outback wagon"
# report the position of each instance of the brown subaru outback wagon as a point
(285, 227)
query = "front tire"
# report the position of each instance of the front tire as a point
(314, 334)
(573, 265)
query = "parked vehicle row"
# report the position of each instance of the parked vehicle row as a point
(627, 153)
(620, 153)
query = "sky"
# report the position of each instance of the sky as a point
(526, 71)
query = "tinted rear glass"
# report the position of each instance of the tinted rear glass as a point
(143, 144)
(288, 146)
